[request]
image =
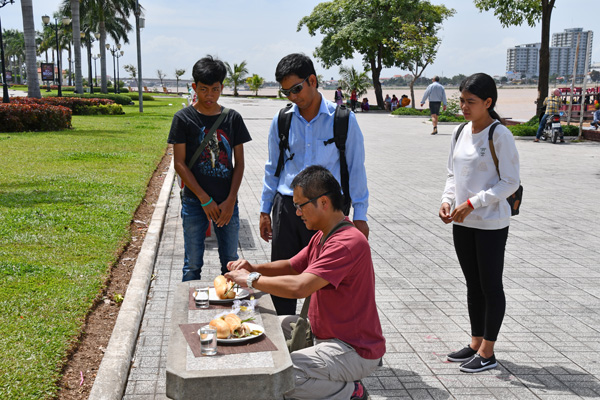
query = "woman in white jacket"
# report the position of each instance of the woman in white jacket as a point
(474, 200)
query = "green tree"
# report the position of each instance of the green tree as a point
(255, 82)
(236, 75)
(595, 75)
(419, 43)
(516, 12)
(132, 70)
(350, 79)
(372, 28)
(178, 74)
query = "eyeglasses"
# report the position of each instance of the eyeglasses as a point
(299, 206)
(297, 88)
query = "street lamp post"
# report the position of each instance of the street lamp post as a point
(65, 21)
(95, 71)
(5, 98)
(115, 54)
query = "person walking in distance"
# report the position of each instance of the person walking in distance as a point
(474, 200)
(437, 95)
(310, 131)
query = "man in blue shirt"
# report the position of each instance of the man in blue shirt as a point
(311, 127)
(437, 95)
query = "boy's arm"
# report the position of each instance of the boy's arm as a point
(211, 210)
(228, 205)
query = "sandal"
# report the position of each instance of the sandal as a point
(536, 140)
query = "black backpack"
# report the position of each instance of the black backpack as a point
(340, 134)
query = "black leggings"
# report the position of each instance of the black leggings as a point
(481, 257)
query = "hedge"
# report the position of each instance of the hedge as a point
(145, 96)
(33, 117)
(410, 111)
(121, 99)
(79, 106)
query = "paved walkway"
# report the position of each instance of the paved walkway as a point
(549, 346)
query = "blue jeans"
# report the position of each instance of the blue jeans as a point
(541, 127)
(195, 225)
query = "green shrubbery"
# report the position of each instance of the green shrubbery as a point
(33, 117)
(135, 96)
(122, 99)
(410, 111)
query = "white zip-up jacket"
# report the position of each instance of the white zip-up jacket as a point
(472, 175)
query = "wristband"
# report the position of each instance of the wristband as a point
(211, 199)
(468, 202)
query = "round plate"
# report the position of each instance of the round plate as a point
(240, 293)
(253, 327)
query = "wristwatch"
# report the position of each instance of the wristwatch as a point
(253, 276)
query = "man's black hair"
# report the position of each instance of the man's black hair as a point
(295, 64)
(316, 180)
(209, 70)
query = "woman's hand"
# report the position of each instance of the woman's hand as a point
(445, 213)
(460, 213)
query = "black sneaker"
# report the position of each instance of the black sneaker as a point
(462, 355)
(479, 363)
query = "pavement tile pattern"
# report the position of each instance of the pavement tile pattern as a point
(549, 345)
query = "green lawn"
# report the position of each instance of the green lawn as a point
(66, 200)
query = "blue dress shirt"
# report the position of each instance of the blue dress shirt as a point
(306, 141)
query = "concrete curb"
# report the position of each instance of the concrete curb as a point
(111, 378)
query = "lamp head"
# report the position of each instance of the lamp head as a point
(97, 35)
(66, 20)
(107, 46)
(119, 46)
(46, 19)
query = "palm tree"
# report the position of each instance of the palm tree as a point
(33, 84)
(107, 17)
(351, 79)
(77, 45)
(178, 74)
(254, 83)
(236, 75)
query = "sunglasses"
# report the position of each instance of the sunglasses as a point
(297, 88)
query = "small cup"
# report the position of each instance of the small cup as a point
(201, 298)
(208, 340)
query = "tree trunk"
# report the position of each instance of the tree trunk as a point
(103, 85)
(33, 84)
(77, 44)
(375, 74)
(412, 91)
(547, 6)
(70, 59)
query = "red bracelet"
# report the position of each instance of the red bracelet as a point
(469, 203)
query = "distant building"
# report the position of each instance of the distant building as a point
(524, 59)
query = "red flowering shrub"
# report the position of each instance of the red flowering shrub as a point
(78, 105)
(19, 117)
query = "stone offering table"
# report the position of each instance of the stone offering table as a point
(242, 375)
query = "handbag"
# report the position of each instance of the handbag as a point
(301, 332)
(514, 200)
(204, 142)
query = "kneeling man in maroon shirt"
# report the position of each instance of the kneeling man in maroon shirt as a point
(336, 270)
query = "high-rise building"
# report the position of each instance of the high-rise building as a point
(524, 59)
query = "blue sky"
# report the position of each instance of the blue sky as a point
(178, 32)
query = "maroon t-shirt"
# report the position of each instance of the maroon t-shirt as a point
(344, 309)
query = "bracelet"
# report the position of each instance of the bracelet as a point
(210, 201)
(468, 202)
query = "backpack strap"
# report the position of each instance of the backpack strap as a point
(208, 136)
(284, 121)
(460, 129)
(492, 149)
(341, 121)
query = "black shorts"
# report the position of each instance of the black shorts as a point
(434, 107)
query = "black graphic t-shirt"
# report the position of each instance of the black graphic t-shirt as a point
(214, 168)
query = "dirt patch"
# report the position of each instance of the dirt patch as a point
(82, 365)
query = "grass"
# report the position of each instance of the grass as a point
(66, 200)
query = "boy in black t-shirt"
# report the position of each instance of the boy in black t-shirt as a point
(213, 181)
